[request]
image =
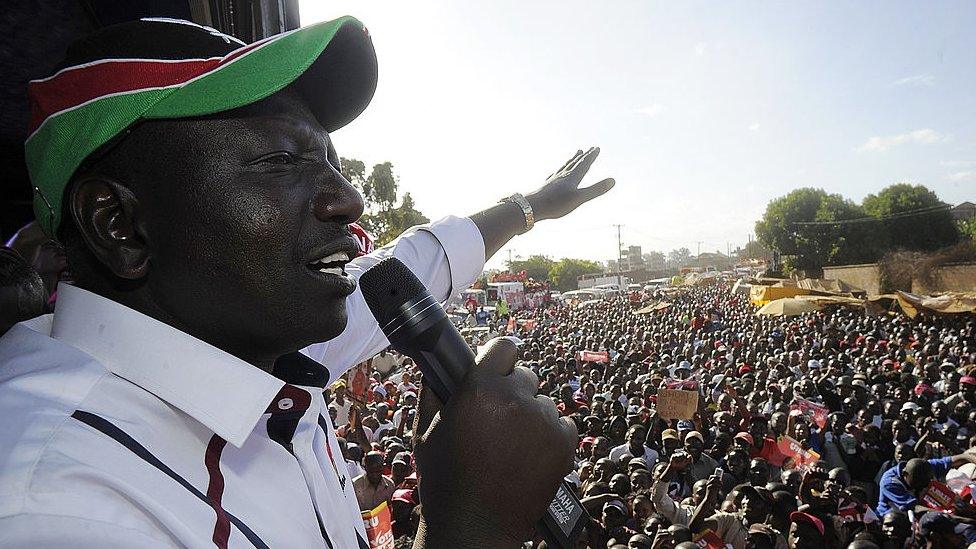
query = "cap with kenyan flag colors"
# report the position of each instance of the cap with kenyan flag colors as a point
(168, 68)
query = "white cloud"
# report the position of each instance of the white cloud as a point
(916, 81)
(959, 177)
(652, 110)
(924, 136)
(700, 48)
(754, 127)
(958, 163)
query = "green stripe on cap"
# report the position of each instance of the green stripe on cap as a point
(62, 143)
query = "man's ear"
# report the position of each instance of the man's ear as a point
(107, 215)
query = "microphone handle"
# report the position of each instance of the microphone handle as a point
(444, 358)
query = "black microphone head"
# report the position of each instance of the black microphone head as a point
(387, 286)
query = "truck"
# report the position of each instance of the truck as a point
(603, 280)
(512, 292)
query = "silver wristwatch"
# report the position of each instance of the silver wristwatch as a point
(522, 203)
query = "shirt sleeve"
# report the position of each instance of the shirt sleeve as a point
(666, 506)
(447, 256)
(38, 530)
(940, 467)
(894, 493)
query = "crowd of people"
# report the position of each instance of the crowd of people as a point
(830, 429)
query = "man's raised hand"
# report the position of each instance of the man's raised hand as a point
(561, 193)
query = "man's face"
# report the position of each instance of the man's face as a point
(244, 204)
(694, 447)
(374, 471)
(755, 509)
(635, 436)
(895, 527)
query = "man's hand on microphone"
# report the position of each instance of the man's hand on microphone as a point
(491, 459)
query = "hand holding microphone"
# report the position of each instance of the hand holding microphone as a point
(490, 452)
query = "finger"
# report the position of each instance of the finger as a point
(428, 405)
(584, 162)
(526, 380)
(568, 163)
(571, 433)
(596, 189)
(498, 358)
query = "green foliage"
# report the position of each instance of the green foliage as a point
(383, 218)
(967, 228)
(920, 232)
(754, 249)
(811, 247)
(536, 266)
(564, 272)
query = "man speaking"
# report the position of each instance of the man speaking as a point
(193, 183)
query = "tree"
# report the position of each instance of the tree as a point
(535, 267)
(967, 228)
(905, 227)
(565, 272)
(654, 260)
(802, 225)
(680, 257)
(383, 219)
(754, 249)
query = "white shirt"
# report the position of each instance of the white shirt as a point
(650, 454)
(121, 431)
(342, 410)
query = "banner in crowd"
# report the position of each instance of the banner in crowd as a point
(711, 540)
(791, 449)
(379, 527)
(939, 496)
(594, 356)
(811, 410)
(357, 381)
(676, 404)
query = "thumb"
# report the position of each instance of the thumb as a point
(597, 189)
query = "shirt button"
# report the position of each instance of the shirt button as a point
(285, 403)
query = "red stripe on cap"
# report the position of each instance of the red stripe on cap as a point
(215, 491)
(72, 88)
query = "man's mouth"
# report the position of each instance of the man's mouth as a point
(334, 263)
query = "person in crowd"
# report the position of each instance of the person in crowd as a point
(373, 487)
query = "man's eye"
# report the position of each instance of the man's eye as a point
(278, 158)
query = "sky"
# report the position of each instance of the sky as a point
(704, 111)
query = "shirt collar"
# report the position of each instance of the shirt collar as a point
(221, 391)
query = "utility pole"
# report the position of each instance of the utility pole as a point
(698, 255)
(620, 256)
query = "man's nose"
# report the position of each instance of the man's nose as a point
(337, 200)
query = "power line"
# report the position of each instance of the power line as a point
(870, 219)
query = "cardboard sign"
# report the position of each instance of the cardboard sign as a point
(815, 412)
(676, 404)
(594, 356)
(939, 496)
(379, 527)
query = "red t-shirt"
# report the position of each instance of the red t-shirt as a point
(769, 451)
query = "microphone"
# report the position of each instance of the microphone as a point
(417, 326)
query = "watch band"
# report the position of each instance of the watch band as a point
(522, 203)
